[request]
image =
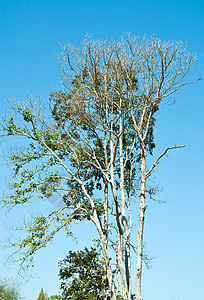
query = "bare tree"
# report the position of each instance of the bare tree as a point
(101, 134)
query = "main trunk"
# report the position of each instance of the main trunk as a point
(104, 276)
(142, 208)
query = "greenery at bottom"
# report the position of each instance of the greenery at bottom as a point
(81, 276)
(9, 290)
(43, 296)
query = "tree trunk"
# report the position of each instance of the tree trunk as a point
(104, 276)
(142, 208)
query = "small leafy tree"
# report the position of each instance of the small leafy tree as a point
(43, 296)
(9, 291)
(81, 275)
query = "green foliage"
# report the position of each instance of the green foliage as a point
(81, 275)
(56, 297)
(43, 296)
(9, 291)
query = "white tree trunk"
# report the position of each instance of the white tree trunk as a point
(142, 208)
(104, 276)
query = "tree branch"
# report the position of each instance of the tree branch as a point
(158, 159)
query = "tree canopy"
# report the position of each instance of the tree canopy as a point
(81, 275)
(91, 146)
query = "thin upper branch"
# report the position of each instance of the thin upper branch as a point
(158, 159)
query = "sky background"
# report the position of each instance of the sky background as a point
(30, 36)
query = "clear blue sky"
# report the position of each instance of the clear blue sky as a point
(30, 33)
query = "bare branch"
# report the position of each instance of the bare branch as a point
(158, 159)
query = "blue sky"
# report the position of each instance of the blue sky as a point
(30, 36)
